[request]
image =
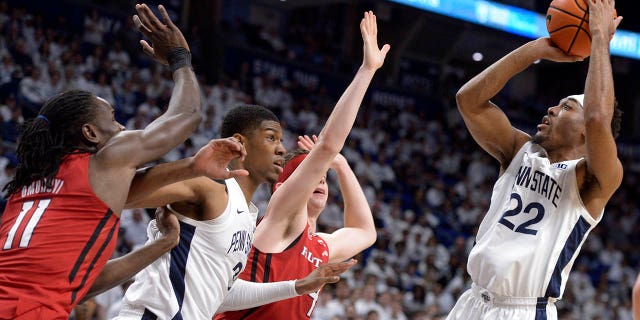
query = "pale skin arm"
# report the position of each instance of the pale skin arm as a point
(286, 213)
(601, 159)
(486, 122)
(359, 231)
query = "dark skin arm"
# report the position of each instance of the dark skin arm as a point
(601, 173)
(211, 161)
(121, 269)
(114, 165)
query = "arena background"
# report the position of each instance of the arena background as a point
(427, 181)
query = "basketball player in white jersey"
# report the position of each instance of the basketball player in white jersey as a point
(217, 221)
(552, 188)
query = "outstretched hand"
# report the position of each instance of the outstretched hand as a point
(307, 143)
(373, 56)
(212, 159)
(168, 224)
(163, 35)
(325, 273)
(600, 17)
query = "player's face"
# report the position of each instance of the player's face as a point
(318, 199)
(265, 152)
(105, 122)
(563, 125)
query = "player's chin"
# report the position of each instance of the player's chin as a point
(538, 138)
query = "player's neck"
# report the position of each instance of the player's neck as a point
(565, 154)
(248, 187)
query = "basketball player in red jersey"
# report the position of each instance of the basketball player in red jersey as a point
(286, 244)
(76, 164)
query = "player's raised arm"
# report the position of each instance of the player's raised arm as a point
(359, 230)
(182, 117)
(154, 186)
(599, 105)
(303, 181)
(487, 123)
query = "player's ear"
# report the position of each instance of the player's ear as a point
(242, 139)
(90, 133)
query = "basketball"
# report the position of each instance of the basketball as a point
(568, 26)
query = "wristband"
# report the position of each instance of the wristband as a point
(178, 57)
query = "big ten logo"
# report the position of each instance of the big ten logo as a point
(561, 166)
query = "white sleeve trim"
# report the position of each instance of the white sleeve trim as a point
(245, 294)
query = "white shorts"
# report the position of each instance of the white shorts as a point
(480, 304)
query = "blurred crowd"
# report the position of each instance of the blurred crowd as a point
(427, 182)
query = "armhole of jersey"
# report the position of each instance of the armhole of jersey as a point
(519, 155)
(294, 242)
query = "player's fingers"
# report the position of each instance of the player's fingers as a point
(374, 23)
(385, 49)
(151, 17)
(165, 17)
(332, 279)
(147, 48)
(237, 173)
(143, 16)
(140, 26)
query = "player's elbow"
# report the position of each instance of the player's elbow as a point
(465, 100)
(370, 236)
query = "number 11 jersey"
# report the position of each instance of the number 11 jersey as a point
(53, 243)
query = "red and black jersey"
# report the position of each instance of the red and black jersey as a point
(54, 242)
(303, 256)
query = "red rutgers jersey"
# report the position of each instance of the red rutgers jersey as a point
(303, 256)
(53, 244)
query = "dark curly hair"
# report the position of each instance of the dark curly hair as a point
(46, 139)
(245, 118)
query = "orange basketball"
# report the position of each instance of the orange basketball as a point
(568, 26)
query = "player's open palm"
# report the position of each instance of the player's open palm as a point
(213, 159)
(373, 56)
(164, 35)
(600, 17)
(325, 273)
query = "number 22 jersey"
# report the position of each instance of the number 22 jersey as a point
(533, 230)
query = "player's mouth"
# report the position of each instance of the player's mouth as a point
(279, 164)
(319, 191)
(545, 123)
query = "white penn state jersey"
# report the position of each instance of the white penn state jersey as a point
(193, 279)
(533, 230)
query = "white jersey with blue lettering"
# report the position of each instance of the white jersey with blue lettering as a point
(533, 230)
(193, 279)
